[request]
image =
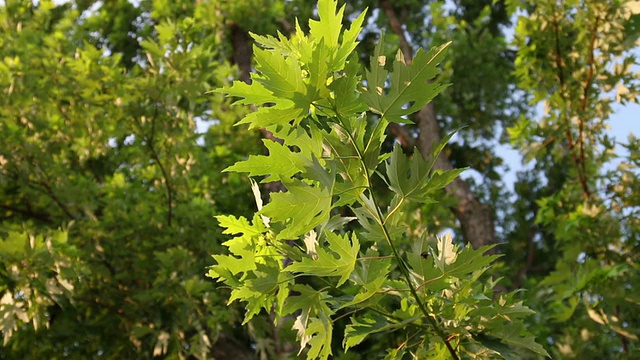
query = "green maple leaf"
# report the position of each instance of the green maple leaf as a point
(309, 142)
(422, 264)
(410, 88)
(255, 93)
(259, 264)
(338, 258)
(261, 289)
(294, 46)
(376, 76)
(274, 115)
(368, 218)
(242, 248)
(252, 269)
(515, 334)
(281, 163)
(351, 182)
(319, 330)
(360, 328)
(301, 208)
(460, 263)
(413, 179)
(318, 71)
(279, 74)
(278, 80)
(240, 225)
(242, 260)
(440, 179)
(448, 261)
(349, 42)
(323, 175)
(313, 324)
(370, 276)
(308, 300)
(346, 99)
(329, 26)
(406, 176)
(328, 29)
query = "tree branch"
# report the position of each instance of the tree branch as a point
(156, 157)
(402, 265)
(30, 214)
(562, 82)
(583, 106)
(168, 187)
(49, 192)
(43, 187)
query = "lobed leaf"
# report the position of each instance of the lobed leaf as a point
(337, 259)
(281, 163)
(300, 209)
(411, 87)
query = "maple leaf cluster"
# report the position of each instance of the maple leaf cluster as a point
(309, 92)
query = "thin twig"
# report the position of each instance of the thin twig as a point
(561, 79)
(404, 268)
(26, 212)
(155, 156)
(587, 87)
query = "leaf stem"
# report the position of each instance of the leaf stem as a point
(393, 211)
(402, 264)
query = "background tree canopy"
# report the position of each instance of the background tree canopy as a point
(112, 146)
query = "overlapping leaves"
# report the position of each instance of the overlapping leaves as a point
(309, 94)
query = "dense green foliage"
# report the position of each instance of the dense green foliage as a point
(429, 295)
(113, 196)
(588, 210)
(107, 199)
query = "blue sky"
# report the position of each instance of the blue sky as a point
(624, 121)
